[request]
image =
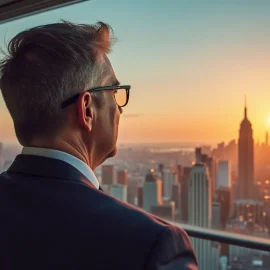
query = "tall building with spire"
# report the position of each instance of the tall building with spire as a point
(245, 159)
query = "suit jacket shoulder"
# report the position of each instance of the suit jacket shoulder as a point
(170, 246)
(172, 250)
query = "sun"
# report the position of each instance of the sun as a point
(268, 121)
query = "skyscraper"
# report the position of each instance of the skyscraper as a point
(176, 196)
(216, 213)
(245, 159)
(122, 177)
(224, 174)
(161, 174)
(133, 184)
(224, 197)
(152, 191)
(198, 155)
(200, 214)
(199, 197)
(184, 194)
(208, 161)
(140, 196)
(107, 174)
(160, 168)
(179, 172)
(119, 191)
(211, 165)
(169, 179)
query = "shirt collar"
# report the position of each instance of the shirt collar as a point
(75, 162)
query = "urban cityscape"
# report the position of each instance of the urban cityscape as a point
(225, 187)
(186, 156)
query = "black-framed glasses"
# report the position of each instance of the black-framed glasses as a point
(121, 94)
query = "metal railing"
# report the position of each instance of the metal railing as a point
(236, 239)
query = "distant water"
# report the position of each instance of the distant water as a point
(171, 150)
(168, 147)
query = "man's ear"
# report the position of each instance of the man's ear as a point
(85, 110)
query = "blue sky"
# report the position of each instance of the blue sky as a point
(190, 64)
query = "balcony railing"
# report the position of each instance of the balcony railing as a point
(236, 239)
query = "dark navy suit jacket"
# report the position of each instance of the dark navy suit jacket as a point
(52, 218)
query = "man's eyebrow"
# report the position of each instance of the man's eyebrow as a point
(116, 82)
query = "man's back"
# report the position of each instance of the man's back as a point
(65, 102)
(52, 219)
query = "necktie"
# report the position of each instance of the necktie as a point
(100, 188)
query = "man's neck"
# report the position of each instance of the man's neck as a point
(75, 149)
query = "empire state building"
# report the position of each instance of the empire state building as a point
(245, 160)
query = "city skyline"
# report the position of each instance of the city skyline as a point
(169, 143)
(192, 80)
(193, 146)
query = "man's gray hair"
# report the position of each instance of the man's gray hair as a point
(45, 66)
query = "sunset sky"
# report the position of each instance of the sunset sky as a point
(190, 65)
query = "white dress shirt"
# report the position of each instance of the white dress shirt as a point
(73, 161)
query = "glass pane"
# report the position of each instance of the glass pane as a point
(121, 97)
(191, 162)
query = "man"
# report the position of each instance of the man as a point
(65, 101)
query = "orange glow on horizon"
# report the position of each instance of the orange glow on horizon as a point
(169, 128)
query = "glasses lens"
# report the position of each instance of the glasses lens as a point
(121, 97)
